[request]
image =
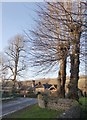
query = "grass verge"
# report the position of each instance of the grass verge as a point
(34, 111)
(83, 104)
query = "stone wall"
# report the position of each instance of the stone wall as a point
(71, 107)
(63, 104)
(55, 103)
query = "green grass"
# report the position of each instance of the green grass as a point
(35, 111)
(83, 100)
(83, 104)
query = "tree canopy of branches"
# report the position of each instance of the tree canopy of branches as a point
(3, 69)
(59, 34)
(16, 58)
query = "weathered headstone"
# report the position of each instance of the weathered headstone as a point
(41, 101)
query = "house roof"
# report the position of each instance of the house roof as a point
(52, 87)
(47, 85)
(40, 86)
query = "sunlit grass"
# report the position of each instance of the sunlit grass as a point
(35, 112)
(83, 102)
(83, 105)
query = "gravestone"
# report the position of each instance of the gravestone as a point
(41, 101)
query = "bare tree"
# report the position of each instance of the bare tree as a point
(57, 35)
(49, 45)
(3, 69)
(77, 27)
(16, 53)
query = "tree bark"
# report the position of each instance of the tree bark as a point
(15, 71)
(74, 77)
(62, 78)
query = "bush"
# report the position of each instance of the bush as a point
(31, 95)
(6, 94)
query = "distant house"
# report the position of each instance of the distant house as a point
(24, 90)
(45, 88)
(52, 88)
(53, 91)
(39, 88)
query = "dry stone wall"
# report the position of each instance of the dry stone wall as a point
(71, 107)
(63, 104)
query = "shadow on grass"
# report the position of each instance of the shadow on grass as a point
(83, 105)
(34, 111)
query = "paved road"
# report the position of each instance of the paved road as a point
(17, 104)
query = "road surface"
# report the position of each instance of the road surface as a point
(17, 104)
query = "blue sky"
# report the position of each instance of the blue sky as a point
(1, 26)
(16, 17)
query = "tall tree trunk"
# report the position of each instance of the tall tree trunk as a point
(15, 72)
(14, 83)
(14, 87)
(75, 61)
(62, 78)
(74, 77)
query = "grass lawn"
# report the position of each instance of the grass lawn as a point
(35, 112)
(83, 102)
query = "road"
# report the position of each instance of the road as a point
(17, 104)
